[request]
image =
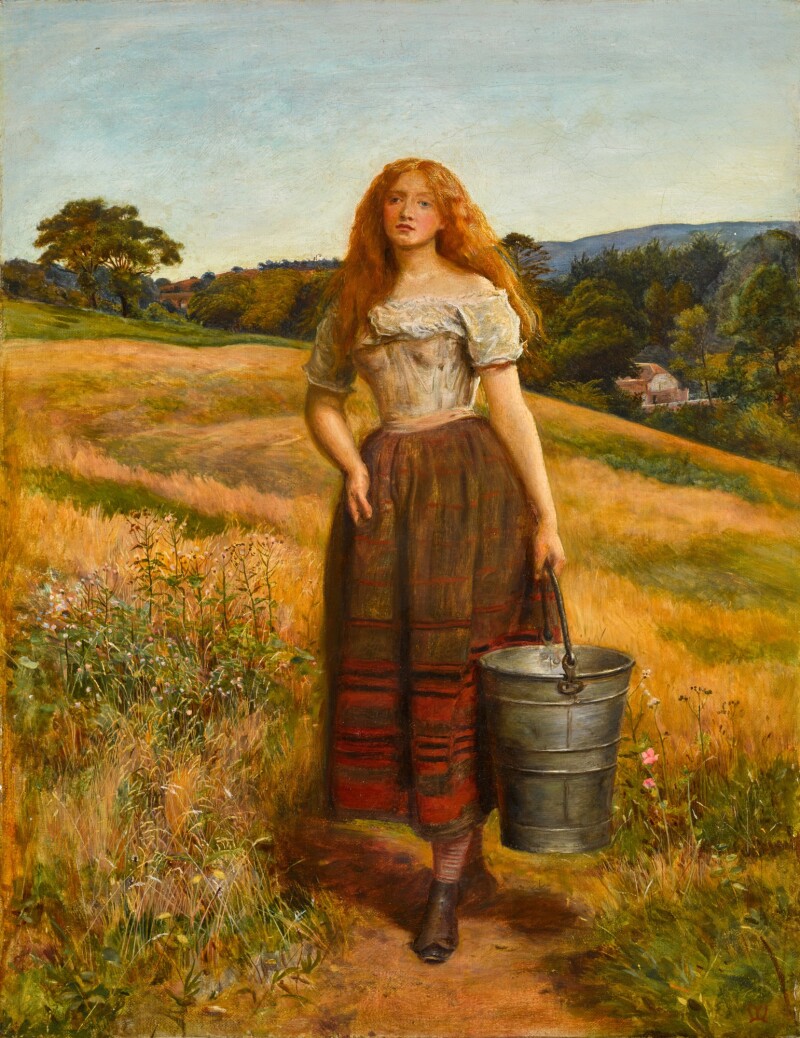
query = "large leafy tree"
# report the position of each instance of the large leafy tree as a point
(132, 250)
(700, 262)
(766, 326)
(72, 237)
(662, 307)
(691, 344)
(596, 335)
(87, 234)
(774, 247)
(223, 302)
(265, 302)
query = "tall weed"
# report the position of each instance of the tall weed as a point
(157, 707)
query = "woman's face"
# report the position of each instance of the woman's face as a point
(411, 217)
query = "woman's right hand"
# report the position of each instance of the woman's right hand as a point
(356, 489)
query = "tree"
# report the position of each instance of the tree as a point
(597, 334)
(25, 280)
(529, 256)
(72, 237)
(600, 349)
(223, 302)
(87, 235)
(766, 323)
(248, 302)
(681, 297)
(662, 307)
(659, 315)
(772, 247)
(690, 344)
(274, 294)
(308, 305)
(701, 262)
(532, 264)
(131, 250)
(595, 298)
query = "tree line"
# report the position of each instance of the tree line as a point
(725, 322)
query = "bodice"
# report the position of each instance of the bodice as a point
(421, 356)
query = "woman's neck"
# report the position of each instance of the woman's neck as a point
(416, 266)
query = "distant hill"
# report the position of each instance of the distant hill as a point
(734, 233)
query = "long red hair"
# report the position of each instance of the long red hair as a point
(369, 269)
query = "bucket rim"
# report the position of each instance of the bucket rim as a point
(488, 661)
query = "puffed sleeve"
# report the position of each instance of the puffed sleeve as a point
(492, 330)
(324, 368)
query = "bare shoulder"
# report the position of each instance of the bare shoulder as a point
(467, 282)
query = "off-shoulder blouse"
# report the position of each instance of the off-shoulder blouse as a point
(421, 356)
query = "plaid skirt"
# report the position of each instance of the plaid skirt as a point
(440, 574)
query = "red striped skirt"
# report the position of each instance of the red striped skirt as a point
(441, 574)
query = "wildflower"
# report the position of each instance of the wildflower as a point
(646, 673)
(649, 757)
(649, 783)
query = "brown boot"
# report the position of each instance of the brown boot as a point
(477, 885)
(438, 933)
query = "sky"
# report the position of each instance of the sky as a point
(249, 129)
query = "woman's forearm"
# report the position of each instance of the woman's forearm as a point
(326, 421)
(516, 430)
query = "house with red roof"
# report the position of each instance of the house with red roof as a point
(656, 387)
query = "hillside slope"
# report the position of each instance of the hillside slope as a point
(733, 233)
(684, 556)
(222, 433)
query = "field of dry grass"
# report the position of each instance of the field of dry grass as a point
(686, 557)
(698, 577)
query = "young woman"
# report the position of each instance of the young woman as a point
(445, 523)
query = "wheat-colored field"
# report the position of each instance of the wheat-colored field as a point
(697, 577)
(686, 557)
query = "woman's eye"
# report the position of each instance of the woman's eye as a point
(425, 205)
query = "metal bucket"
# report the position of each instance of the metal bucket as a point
(554, 730)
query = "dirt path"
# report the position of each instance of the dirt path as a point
(499, 981)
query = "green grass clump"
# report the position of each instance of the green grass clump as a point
(29, 320)
(738, 646)
(729, 569)
(632, 455)
(680, 470)
(715, 796)
(118, 499)
(721, 961)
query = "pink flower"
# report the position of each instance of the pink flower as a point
(649, 757)
(649, 783)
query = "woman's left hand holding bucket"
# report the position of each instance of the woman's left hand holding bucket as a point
(547, 547)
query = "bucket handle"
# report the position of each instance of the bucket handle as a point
(571, 686)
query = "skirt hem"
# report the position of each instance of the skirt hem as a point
(445, 831)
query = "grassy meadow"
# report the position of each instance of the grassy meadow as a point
(168, 708)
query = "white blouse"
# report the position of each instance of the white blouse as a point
(422, 355)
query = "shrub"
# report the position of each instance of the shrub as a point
(157, 312)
